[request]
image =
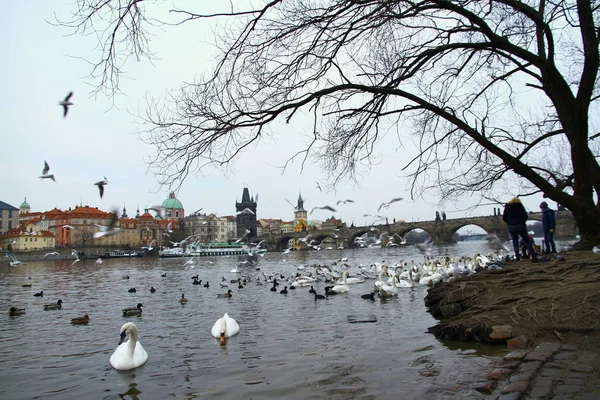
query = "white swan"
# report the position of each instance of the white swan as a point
(131, 354)
(343, 288)
(386, 290)
(224, 328)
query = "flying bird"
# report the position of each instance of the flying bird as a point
(66, 103)
(160, 211)
(291, 204)
(495, 243)
(425, 247)
(245, 234)
(100, 185)
(324, 208)
(53, 253)
(319, 187)
(13, 260)
(386, 205)
(344, 202)
(110, 229)
(45, 174)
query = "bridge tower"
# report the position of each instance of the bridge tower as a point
(246, 215)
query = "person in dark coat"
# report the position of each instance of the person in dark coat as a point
(515, 217)
(549, 225)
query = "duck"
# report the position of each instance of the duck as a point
(312, 290)
(29, 285)
(80, 320)
(228, 294)
(53, 306)
(197, 282)
(273, 288)
(225, 327)
(163, 275)
(368, 296)
(133, 311)
(152, 290)
(319, 296)
(132, 290)
(284, 290)
(206, 284)
(131, 354)
(183, 300)
(39, 294)
(14, 311)
(195, 276)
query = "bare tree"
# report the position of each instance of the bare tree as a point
(493, 91)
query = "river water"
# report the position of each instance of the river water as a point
(289, 346)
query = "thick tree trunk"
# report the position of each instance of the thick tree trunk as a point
(588, 221)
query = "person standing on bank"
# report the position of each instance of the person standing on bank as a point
(549, 225)
(515, 217)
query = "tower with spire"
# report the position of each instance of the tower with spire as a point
(246, 215)
(300, 216)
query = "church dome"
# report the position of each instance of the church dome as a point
(25, 204)
(172, 202)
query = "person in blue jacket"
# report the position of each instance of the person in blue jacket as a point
(515, 217)
(549, 225)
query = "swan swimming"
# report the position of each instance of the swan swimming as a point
(224, 328)
(131, 354)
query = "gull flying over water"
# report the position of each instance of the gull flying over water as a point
(344, 202)
(110, 229)
(387, 204)
(245, 234)
(324, 208)
(100, 185)
(45, 174)
(425, 247)
(66, 103)
(13, 260)
(495, 243)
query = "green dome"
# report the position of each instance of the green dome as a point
(25, 204)
(172, 202)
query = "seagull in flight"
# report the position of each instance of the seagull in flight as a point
(53, 253)
(66, 103)
(495, 243)
(425, 247)
(291, 204)
(324, 208)
(160, 211)
(45, 174)
(245, 234)
(319, 186)
(344, 202)
(387, 204)
(67, 227)
(13, 260)
(110, 229)
(100, 185)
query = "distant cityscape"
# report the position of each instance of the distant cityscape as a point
(22, 229)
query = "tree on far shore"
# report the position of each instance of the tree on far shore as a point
(494, 93)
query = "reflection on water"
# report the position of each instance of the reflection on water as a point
(288, 345)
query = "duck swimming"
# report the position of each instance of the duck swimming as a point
(224, 328)
(54, 306)
(80, 320)
(228, 294)
(14, 311)
(183, 300)
(133, 311)
(131, 354)
(39, 294)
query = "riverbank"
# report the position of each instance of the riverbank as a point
(552, 307)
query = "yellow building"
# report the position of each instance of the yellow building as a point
(27, 238)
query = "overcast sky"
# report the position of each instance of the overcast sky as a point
(42, 63)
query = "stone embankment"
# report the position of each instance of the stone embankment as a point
(549, 371)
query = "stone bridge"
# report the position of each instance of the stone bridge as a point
(441, 231)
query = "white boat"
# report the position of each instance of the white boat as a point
(212, 249)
